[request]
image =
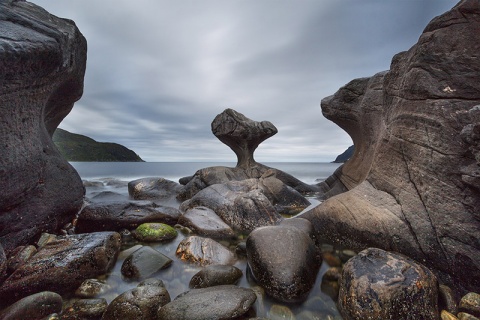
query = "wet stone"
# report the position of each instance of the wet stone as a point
(91, 288)
(466, 316)
(278, 312)
(153, 189)
(446, 299)
(142, 302)
(144, 262)
(21, 257)
(218, 302)
(205, 222)
(470, 303)
(204, 251)
(85, 309)
(35, 306)
(154, 232)
(445, 315)
(215, 275)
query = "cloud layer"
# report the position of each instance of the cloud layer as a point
(159, 71)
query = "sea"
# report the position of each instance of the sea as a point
(114, 176)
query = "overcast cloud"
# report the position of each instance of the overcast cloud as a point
(159, 71)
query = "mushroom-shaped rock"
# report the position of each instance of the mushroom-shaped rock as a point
(241, 134)
(42, 63)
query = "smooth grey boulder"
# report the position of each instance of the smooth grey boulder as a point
(241, 204)
(114, 216)
(144, 262)
(205, 222)
(413, 181)
(215, 275)
(218, 302)
(153, 189)
(284, 261)
(42, 63)
(62, 265)
(35, 306)
(377, 284)
(142, 302)
(204, 251)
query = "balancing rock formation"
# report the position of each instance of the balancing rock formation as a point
(413, 184)
(42, 63)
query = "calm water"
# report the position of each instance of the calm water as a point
(115, 176)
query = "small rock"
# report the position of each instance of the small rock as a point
(278, 312)
(470, 303)
(142, 302)
(218, 302)
(346, 255)
(125, 253)
(330, 282)
(215, 275)
(91, 288)
(153, 189)
(45, 238)
(154, 232)
(85, 309)
(331, 259)
(205, 222)
(143, 263)
(204, 251)
(466, 316)
(445, 315)
(446, 299)
(36, 306)
(21, 257)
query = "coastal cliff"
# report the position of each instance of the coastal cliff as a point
(413, 183)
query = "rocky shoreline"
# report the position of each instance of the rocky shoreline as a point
(229, 243)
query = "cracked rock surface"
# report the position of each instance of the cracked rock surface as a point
(412, 184)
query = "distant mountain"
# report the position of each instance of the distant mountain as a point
(347, 154)
(76, 147)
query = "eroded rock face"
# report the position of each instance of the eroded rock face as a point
(413, 180)
(42, 58)
(377, 284)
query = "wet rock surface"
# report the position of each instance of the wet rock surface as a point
(36, 306)
(114, 216)
(84, 309)
(204, 251)
(412, 182)
(154, 232)
(144, 262)
(215, 275)
(62, 265)
(219, 302)
(382, 285)
(91, 288)
(142, 302)
(205, 222)
(43, 62)
(153, 189)
(284, 261)
(470, 303)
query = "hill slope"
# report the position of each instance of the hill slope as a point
(76, 147)
(347, 154)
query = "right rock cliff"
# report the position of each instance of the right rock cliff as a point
(413, 184)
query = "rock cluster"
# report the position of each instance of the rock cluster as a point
(43, 62)
(413, 182)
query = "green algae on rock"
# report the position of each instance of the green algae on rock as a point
(153, 232)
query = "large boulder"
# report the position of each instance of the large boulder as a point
(377, 284)
(42, 58)
(62, 265)
(413, 182)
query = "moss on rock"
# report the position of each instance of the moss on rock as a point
(152, 232)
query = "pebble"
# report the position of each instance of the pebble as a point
(470, 303)
(445, 315)
(91, 288)
(85, 309)
(466, 316)
(446, 299)
(279, 312)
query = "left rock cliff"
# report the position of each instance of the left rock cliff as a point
(42, 67)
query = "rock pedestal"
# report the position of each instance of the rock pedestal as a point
(42, 63)
(413, 182)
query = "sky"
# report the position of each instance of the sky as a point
(158, 72)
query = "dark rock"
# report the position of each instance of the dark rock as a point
(240, 204)
(204, 251)
(470, 303)
(124, 214)
(91, 288)
(284, 261)
(154, 232)
(215, 275)
(381, 285)
(62, 265)
(330, 282)
(107, 196)
(241, 134)
(446, 299)
(3, 264)
(413, 180)
(21, 257)
(153, 189)
(77, 147)
(43, 62)
(205, 222)
(85, 309)
(36, 306)
(142, 302)
(466, 316)
(219, 302)
(144, 262)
